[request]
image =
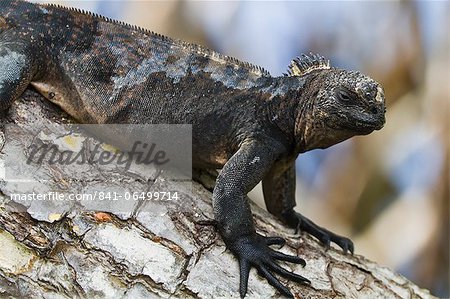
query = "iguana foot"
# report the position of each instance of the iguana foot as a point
(254, 251)
(301, 223)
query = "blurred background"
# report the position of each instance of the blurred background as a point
(389, 190)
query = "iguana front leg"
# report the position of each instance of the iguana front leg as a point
(279, 195)
(232, 212)
(16, 67)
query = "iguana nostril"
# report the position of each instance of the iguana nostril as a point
(374, 110)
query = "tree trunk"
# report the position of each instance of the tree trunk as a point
(165, 249)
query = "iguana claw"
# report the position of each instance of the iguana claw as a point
(254, 251)
(301, 223)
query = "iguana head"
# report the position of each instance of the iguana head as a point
(341, 103)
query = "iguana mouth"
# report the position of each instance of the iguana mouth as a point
(374, 120)
(373, 124)
(367, 124)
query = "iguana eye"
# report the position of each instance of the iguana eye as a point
(343, 96)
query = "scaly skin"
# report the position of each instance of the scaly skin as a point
(244, 121)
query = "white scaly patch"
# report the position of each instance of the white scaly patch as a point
(380, 94)
(44, 10)
(12, 64)
(255, 160)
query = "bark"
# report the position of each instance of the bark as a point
(160, 250)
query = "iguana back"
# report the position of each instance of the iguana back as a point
(104, 71)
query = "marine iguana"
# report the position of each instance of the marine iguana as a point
(246, 122)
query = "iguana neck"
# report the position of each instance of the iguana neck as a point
(287, 104)
(293, 111)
